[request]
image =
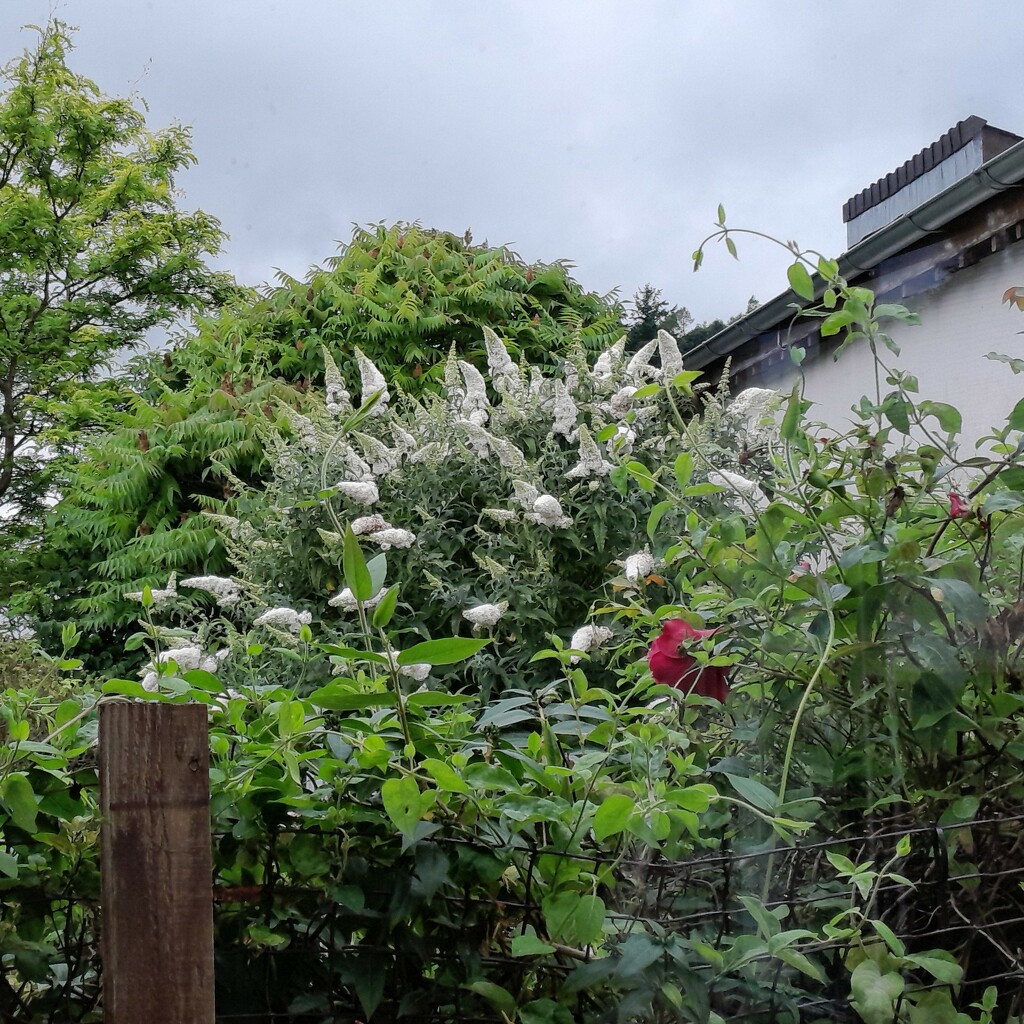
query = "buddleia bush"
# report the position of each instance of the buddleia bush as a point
(507, 504)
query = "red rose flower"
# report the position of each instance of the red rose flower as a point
(670, 664)
(958, 508)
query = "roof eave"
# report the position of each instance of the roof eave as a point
(1000, 173)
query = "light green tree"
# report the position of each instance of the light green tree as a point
(93, 253)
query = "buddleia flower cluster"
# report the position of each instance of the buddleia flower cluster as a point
(500, 502)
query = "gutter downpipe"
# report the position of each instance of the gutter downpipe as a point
(1002, 172)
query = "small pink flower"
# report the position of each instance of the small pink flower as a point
(670, 664)
(958, 508)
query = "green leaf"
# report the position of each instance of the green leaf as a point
(529, 944)
(437, 699)
(497, 996)
(8, 864)
(357, 576)
(448, 651)
(834, 323)
(369, 977)
(949, 417)
(1015, 420)
(335, 697)
(378, 570)
(574, 919)
(683, 468)
(875, 993)
(641, 474)
(403, 803)
(385, 609)
(200, 679)
(445, 776)
(941, 969)
(291, 716)
(17, 794)
(791, 420)
(800, 281)
(657, 514)
(754, 792)
(612, 816)
(891, 939)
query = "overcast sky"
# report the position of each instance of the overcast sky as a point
(603, 132)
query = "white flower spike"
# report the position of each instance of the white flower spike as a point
(284, 618)
(587, 639)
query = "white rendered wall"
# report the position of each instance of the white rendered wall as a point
(961, 320)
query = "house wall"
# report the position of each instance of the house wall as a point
(961, 320)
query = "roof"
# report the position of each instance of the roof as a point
(994, 140)
(1002, 172)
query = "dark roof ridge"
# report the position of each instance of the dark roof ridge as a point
(931, 156)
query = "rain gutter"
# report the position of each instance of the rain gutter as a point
(1002, 172)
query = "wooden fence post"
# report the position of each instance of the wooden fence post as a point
(157, 888)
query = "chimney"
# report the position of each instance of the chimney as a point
(958, 153)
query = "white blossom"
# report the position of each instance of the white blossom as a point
(746, 489)
(623, 439)
(526, 494)
(502, 515)
(485, 614)
(505, 375)
(355, 467)
(346, 600)
(404, 441)
(378, 456)
(433, 451)
(753, 403)
(591, 463)
(755, 409)
(362, 492)
(227, 591)
(369, 524)
(160, 596)
(566, 412)
(639, 565)
(541, 390)
(372, 381)
(671, 357)
(284, 618)
(392, 538)
(609, 360)
(639, 367)
(303, 426)
(587, 639)
(187, 658)
(339, 401)
(483, 444)
(417, 672)
(547, 511)
(474, 406)
(621, 402)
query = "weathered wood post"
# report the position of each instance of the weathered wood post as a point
(157, 889)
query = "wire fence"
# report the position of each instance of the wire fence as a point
(959, 889)
(311, 954)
